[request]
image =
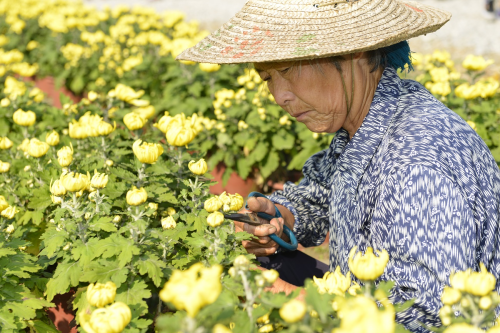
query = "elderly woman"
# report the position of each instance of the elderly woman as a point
(403, 173)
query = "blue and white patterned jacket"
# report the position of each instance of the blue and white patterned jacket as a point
(415, 180)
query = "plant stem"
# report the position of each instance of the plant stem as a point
(189, 325)
(97, 201)
(250, 297)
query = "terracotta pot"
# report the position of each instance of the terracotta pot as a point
(62, 315)
(48, 86)
(235, 184)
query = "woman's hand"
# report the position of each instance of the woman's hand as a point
(264, 245)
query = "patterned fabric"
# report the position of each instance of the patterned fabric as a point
(415, 180)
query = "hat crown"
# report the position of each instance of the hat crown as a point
(277, 30)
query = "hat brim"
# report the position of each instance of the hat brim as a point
(284, 30)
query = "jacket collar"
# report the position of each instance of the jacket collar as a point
(356, 154)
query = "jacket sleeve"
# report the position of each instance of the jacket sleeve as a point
(432, 233)
(309, 200)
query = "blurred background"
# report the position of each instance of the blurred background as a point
(474, 27)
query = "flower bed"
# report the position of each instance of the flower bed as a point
(107, 198)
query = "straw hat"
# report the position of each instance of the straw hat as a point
(277, 30)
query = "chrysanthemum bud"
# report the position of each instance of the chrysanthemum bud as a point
(5, 102)
(9, 212)
(10, 229)
(236, 202)
(134, 121)
(147, 152)
(368, 266)
(65, 156)
(146, 112)
(3, 203)
(105, 128)
(241, 262)
(75, 182)
(168, 223)
(136, 197)
(92, 96)
(5, 143)
(100, 294)
(213, 204)
(4, 167)
(293, 311)
(270, 276)
(180, 135)
(55, 199)
(260, 281)
(52, 138)
(24, 118)
(198, 168)
(153, 206)
(99, 180)
(215, 219)
(37, 148)
(57, 188)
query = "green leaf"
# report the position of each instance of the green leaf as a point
(385, 286)
(169, 323)
(124, 174)
(105, 270)
(150, 264)
(115, 189)
(134, 296)
(6, 251)
(84, 253)
(66, 275)
(244, 168)
(496, 154)
(41, 327)
(20, 265)
(404, 306)
(298, 160)
(320, 302)
(77, 84)
(117, 245)
(40, 202)
(52, 241)
(283, 140)
(259, 152)
(168, 197)
(103, 223)
(271, 163)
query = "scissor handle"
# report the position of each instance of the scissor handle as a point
(293, 241)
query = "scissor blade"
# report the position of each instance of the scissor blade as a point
(250, 218)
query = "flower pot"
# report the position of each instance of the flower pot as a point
(48, 86)
(235, 184)
(62, 315)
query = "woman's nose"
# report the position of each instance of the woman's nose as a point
(283, 96)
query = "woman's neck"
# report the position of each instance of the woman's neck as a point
(365, 85)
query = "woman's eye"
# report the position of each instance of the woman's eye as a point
(284, 71)
(267, 78)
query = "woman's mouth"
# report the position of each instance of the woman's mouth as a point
(302, 115)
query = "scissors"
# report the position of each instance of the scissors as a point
(253, 219)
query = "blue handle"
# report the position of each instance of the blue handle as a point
(293, 241)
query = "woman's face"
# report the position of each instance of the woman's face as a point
(312, 94)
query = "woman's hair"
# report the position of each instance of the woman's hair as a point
(397, 56)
